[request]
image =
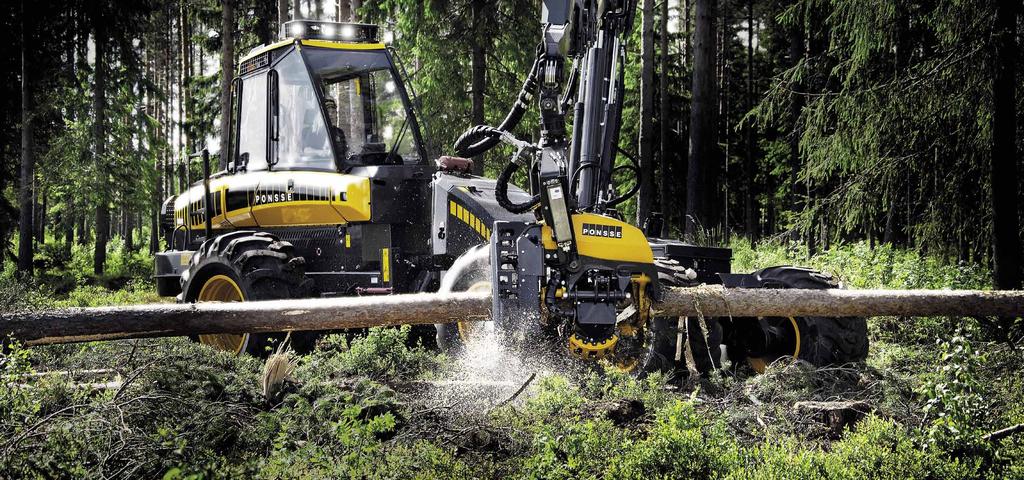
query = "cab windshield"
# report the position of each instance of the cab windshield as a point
(364, 105)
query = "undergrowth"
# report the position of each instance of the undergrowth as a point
(356, 407)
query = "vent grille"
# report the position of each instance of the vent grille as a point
(254, 63)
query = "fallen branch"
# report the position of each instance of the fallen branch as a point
(518, 392)
(1006, 432)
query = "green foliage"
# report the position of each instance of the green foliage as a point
(382, 353)
(956, 409)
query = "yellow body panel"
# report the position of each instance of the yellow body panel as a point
(632, 246)
(343, 45)
(313, 198)
(314, 43)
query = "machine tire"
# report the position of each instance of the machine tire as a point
(704, 348)
(823, 340)
(253, 266)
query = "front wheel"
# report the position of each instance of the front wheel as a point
(246, 266)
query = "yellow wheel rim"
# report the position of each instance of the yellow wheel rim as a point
(469, 330)
(760, 364)
(221, 288)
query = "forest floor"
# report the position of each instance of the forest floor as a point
(374, 407)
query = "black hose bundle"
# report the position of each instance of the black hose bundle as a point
(482, 138)
(501, 191)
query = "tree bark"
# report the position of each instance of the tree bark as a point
(297, 10)
(479, 72)
(168, 319)
(703, 119)
(645, 196)
(161, 320)
(664, 117)
(1006, 243)
(25, 217)
(99, 107)
(227, 69)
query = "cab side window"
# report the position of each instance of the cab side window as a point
(252, 122)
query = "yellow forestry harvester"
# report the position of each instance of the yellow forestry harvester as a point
(331, 191)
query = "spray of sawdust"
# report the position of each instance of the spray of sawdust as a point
(488, 371)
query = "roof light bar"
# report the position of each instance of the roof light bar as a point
(334, 31)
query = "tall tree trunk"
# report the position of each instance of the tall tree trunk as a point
(183, 87)
(751, 210)
(344, 11)
(355, 5)
(99, 107)
(68, 227)
(664, 114)
(645, 196)
(179, 79)
(25, 246)
(686, 16)
(1006, 244)
(282, 17)
(297, 9)
(227, 70)
(479, 72)
(41, 205)
(129, 227)
(796, 52)
(158, 190)
(703, 118)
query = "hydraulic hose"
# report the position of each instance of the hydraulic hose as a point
(482, 138)
(501, 192)
(635, 167)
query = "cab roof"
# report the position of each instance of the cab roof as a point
(335, 35)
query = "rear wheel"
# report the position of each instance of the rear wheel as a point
(247, 266)
(820, 341)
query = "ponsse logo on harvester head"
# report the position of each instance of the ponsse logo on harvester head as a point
(607, 231)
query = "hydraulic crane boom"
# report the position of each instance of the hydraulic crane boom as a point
(578, 264)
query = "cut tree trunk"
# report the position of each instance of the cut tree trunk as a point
(163, 320)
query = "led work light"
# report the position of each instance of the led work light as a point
(335, 31)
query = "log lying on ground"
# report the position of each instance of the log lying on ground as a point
(716, 301)
(163, 320)
(169, 320)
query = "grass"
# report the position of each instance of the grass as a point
(361, 407)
